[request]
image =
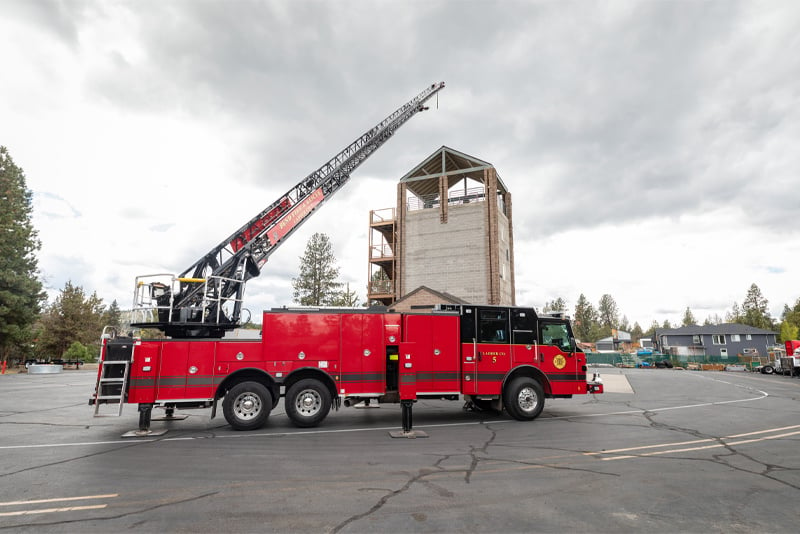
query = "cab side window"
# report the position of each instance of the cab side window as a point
(556, 334)
(493, 326)
(523, 326)
(468, 325)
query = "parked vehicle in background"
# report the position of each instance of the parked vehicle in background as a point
(784, 360)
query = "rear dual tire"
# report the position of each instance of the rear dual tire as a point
(308, 402)
(247, 405)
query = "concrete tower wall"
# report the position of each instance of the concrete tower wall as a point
(451, 257)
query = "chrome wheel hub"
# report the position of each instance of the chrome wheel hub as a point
(527, 399)
(308, 402)
(247, 406)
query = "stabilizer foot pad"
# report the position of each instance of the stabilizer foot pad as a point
(413, 434)
(144, 433)
(170, 418)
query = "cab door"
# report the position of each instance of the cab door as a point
(493, 349)
(524, 343)
(563, 366)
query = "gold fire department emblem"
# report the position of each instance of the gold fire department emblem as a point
(560, 361)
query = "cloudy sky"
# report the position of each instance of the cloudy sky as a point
(651, 147)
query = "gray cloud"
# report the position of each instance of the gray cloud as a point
(594, 114)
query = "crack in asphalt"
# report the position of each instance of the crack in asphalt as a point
(12, 413)
(153, 439)
(22, 423)
(111, 517)
(483, 449)
(476, 455)
(392, 493)
(421, 475)
(719, 459)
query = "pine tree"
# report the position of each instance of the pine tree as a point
(113, 315)
(73, 316)
(316, 284)
(608, 312)
(755, 309)
(636, 332)
(585, 322)
(688, 318)
(21, 294)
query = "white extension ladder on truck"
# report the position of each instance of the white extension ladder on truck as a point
(109, 377)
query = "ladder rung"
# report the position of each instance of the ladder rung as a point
(109, 397)
(112, 380)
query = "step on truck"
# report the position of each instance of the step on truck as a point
(492, 357)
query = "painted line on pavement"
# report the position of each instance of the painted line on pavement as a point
(716, 443)
(53, 510)
(60, 499)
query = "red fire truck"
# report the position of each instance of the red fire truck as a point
(496, 357)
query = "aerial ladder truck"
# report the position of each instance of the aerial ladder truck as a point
(496, 357)
(205, 300)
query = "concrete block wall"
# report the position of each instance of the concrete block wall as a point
(449, 257)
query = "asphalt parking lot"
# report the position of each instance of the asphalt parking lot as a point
(662, 451)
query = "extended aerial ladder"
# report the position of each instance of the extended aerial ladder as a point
(205, 300)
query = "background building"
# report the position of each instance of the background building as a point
(722, 340)
(618, 341)
(451, 232)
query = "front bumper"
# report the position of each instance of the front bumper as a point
(595, 385)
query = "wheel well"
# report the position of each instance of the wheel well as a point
(248, 375)
(529, 372)
(311, 372)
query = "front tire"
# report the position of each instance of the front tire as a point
(767, 370)
(247, 406)
(524, 398)
(308, 402)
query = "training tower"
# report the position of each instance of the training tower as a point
(450, 234)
